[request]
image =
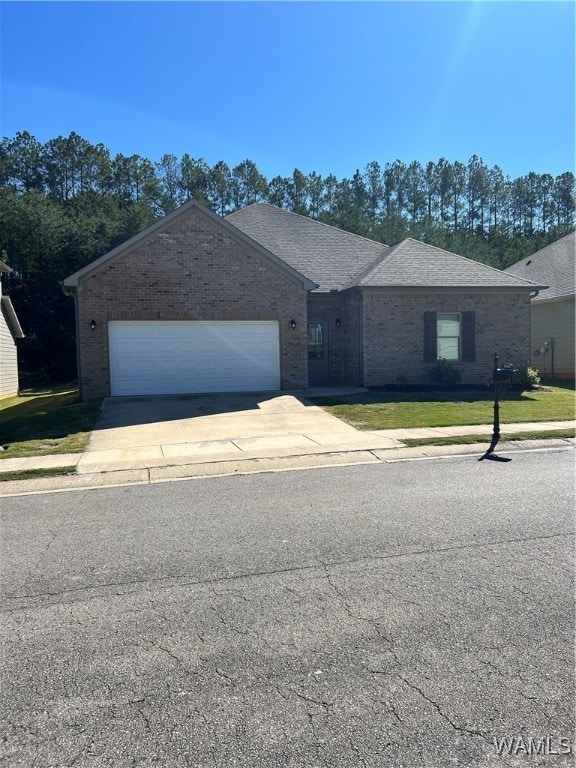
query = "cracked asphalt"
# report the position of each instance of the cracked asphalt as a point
(402, 615)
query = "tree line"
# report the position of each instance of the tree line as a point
(67, 201)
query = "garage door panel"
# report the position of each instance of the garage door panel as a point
(179, 357)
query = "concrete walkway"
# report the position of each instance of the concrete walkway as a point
(279, 446)
(142, 439)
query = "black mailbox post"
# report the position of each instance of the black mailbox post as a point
(502, 377)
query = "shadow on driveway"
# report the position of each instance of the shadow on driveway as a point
(151, 409)
(131, 411)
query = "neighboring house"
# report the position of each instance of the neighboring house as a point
(553, 316)
(265, 299)
(10, 330)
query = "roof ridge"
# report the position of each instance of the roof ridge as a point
(309, 218)
(466, 258)
(552, 264)
(394, 249)
(378, 261)
(538, 253)
(382, 264)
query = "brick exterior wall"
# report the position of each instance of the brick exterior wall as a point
(393, 333)
(193, 270)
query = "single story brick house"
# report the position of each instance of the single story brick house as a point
(266, 299)
(553, 316)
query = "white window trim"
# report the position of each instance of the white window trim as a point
(458, 338)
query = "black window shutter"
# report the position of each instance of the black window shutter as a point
(468, 337)
(430, 343)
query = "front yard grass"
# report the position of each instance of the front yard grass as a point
(397, 410)
(546, 434)
(45, 422)
(31, 474)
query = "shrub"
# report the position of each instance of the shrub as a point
(529, 377)
(445, 374)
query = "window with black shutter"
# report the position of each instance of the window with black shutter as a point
(468, 337)
(430, 349)
(449, 336)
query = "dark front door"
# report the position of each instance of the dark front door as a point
(318, 352)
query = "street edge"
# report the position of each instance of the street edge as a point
(234, 467)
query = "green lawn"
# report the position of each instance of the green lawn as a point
(40, 423)
(51, 421)
(396, 410)
(546, 434)
(31, 474)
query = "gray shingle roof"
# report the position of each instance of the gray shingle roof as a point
(335, 259)
(554, 265)
(327, 255)
(417, 264)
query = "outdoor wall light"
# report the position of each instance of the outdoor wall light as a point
(93, 324)
(293, 323)
(338, 322)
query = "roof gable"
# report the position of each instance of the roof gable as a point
(164, 224)
(329, 256)
(412, 263)
(553, 265)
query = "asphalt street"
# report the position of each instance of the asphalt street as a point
(416, 614)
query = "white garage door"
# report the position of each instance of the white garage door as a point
(157, 358)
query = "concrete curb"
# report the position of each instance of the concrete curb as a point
(245, 466)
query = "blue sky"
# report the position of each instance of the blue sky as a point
(319, 86)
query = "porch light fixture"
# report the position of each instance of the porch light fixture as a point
(338, 322)
(93, 324)
(293, 323)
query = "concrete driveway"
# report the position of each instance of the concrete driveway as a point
(133, 431)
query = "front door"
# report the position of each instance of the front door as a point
(318, 352)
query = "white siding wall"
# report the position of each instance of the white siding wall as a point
(554, 319)
(8, 361)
